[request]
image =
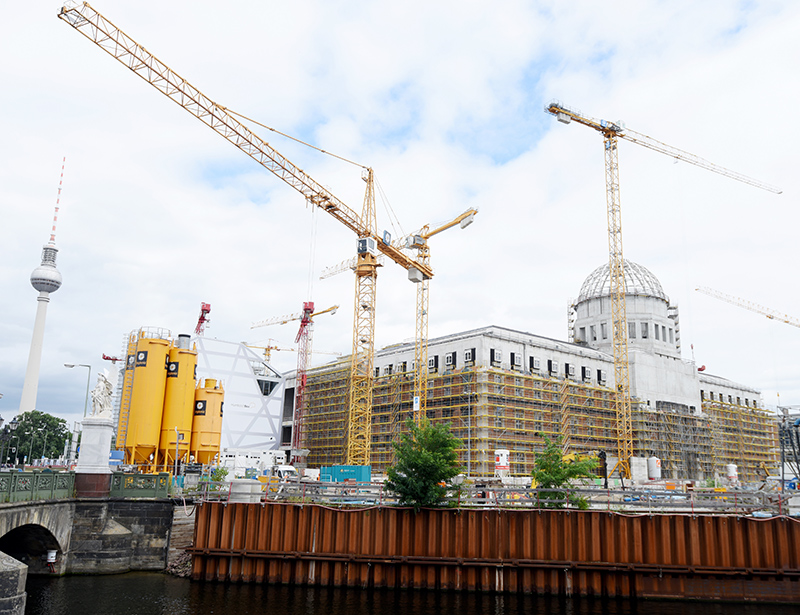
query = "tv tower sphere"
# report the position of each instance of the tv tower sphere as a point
(46, 278)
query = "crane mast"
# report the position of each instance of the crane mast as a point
(303, 341)
(99, 30)
(419, 241)
(359, 427)
(612, 132)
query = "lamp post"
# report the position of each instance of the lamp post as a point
(30, 451)
(44, 446)
(88, 380)
(6, 435)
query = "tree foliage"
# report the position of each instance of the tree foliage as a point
(552, 471)
(427, 462)
(35, 431)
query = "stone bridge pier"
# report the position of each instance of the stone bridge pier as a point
(88, 536)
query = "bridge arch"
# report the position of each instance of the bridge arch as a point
(29, 529)
(30, 545)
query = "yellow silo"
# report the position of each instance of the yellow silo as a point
(147, 398)
(207, 421)
(176, 421)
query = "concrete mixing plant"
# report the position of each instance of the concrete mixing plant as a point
(166, 415)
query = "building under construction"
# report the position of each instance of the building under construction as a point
(505, 389)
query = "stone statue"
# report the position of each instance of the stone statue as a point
(101, 397)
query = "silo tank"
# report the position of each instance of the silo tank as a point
(178, 405)
(147, 399)
(207, 421)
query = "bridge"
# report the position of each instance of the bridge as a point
(45, 528)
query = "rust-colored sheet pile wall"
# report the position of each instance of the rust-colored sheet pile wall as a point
(561, 552)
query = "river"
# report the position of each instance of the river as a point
(154, 593)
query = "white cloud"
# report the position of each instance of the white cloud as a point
(445, 101)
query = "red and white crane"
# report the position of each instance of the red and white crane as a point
(205, 310)
(303, 341)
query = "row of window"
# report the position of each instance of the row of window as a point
(496, 359)
(721, 397)
(660, 332)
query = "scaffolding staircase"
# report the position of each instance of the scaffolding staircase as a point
(127, 389)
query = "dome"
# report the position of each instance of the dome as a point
(638, 281)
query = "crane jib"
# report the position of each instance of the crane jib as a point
(116, 43)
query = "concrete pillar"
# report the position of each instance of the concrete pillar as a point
(30, 386)
(13, 575)
(92, 474)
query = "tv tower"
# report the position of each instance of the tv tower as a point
(46, 279)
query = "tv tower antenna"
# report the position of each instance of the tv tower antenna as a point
(46, 279)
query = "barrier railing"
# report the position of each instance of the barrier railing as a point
(32, 486)
(740, 502)
(139, 485)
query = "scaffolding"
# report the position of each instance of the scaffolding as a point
(745, 436)
(489, 408)
(676, 435)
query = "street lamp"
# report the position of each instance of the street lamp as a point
(6, 435)
(44, 446)
(88, 380)
(30, 452)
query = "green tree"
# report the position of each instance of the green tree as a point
(35, 431)
(552, 471)
(427, 462)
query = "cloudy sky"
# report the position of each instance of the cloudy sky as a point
(445, 101)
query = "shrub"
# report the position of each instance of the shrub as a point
(427, 462)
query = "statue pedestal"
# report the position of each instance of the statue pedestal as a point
(92, 474)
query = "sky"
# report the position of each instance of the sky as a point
(445, 101)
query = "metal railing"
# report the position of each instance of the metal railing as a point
(32, 486)
(359, 494)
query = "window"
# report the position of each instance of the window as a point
(377, 371)
(387, 371)
(450, 359)
(552, 366)
(645, 330)
(582, 334)
(656, 329)
(593, 333)
(433, 363)
(495, 356)
(664, 333)
(702, 394)
(632, 330)
(671, 337)
(604, 330)
(730, 399)
(469, 356)
(738, 401)
(534, 363)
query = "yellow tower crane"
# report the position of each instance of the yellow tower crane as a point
(748, 305)
(611, 132)
(419, 242)
(99, 30)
